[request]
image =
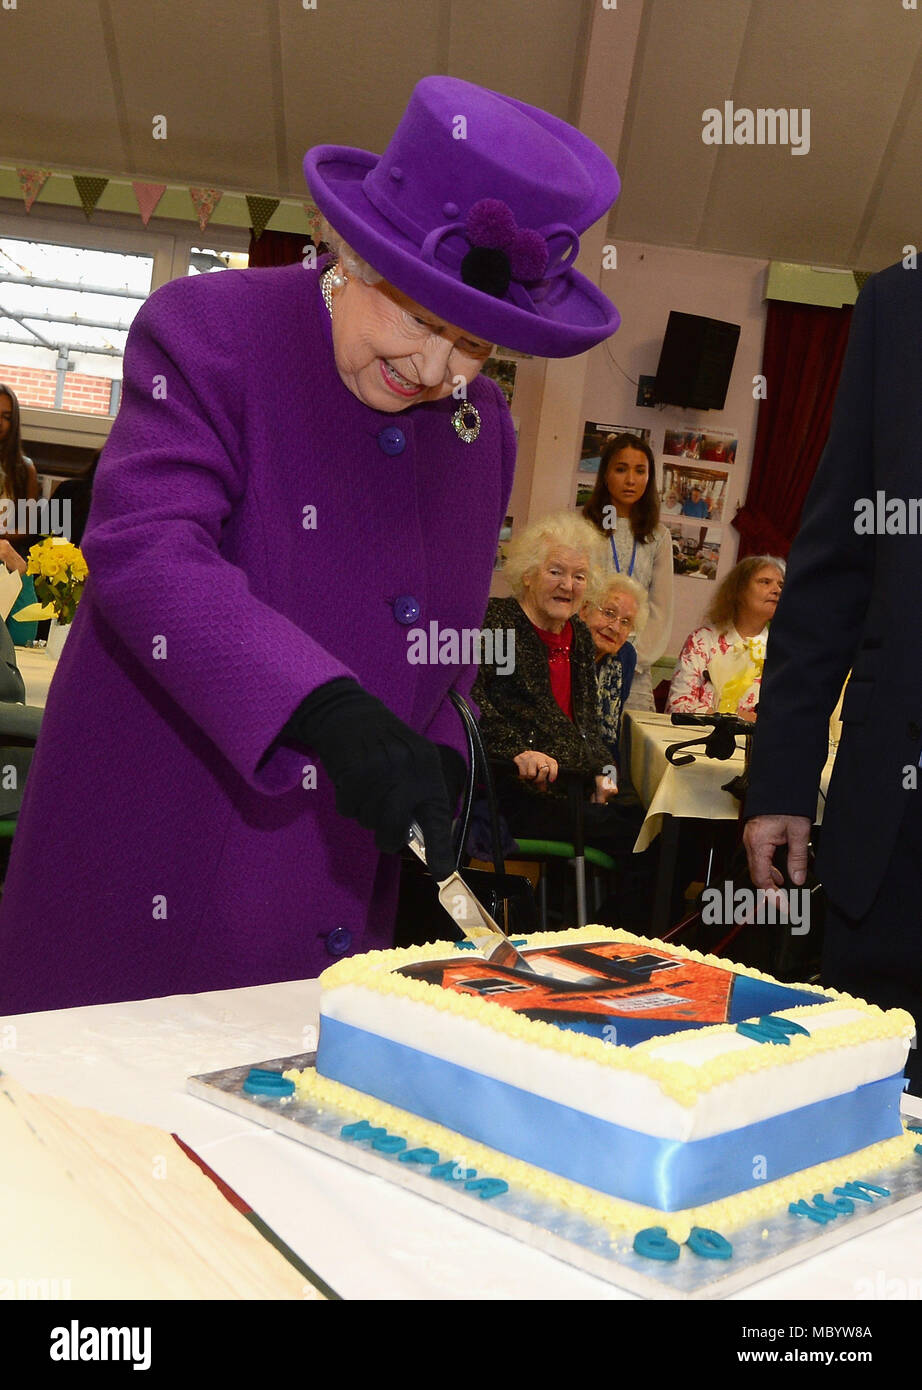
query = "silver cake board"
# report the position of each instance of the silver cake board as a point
(763, 1248)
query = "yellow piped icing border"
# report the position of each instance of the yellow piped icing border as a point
(678, 1080)
(617, 1216)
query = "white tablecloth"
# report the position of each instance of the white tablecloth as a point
(366, 1238)
(36, 667)
(692, 791)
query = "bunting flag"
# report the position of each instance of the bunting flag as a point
(261, 209)
(312, 213)
(205, 201)
(90, 191)
(32, 181)
(147, 196)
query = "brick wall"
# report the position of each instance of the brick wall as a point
(34, 386)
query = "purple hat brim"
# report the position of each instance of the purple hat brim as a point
(580, 320)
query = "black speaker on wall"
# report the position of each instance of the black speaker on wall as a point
(695, 362)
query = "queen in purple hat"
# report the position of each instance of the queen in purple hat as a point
(306, 467)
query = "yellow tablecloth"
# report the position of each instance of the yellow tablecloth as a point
(694, 791)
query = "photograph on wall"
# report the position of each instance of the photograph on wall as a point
(695, 549)
(505, 535)
(683, 444)
(583, 493)
(692, 491)
(502, 371)
(718, 446)
(594, 437)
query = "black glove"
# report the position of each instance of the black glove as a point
(385, 774)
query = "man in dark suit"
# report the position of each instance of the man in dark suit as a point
(851, 601)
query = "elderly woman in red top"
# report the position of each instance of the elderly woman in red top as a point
(543, 714)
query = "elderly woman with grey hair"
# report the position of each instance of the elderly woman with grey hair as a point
(544, 714)
(620, 613)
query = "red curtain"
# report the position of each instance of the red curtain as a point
(801, 363)
(278, 248)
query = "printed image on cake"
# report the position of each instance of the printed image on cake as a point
(635, 1080)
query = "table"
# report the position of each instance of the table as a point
(671, 794)
(366, 1238)
(36, 666)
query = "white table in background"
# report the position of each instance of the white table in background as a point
(366, 1238)
(671, 794)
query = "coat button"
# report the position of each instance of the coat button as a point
(392, 440)
(406, 609)
(339, 941)
(914, 730)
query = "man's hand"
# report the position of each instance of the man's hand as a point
(763, 835)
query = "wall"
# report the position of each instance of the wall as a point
(649, 281)
(36, 387)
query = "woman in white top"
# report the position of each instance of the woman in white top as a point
(720, 666)
(625, 506)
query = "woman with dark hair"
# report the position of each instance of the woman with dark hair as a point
(625, 506)
(18, 483)
(720, 666)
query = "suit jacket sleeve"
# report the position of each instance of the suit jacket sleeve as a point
(826, 593)
(167, 482)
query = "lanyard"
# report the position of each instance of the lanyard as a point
(614, 555)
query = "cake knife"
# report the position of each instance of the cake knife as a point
(470, 915)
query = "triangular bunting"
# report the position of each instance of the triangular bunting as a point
(90, 191)
(261, 209)
(312, 213)
(205, 201)
(32, 181)
(148, 195)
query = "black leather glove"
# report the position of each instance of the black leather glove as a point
(385, 775)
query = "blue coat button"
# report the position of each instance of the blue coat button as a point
(406, 609)
(339, 941)
(392, 440)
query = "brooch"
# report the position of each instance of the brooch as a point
(466, 421)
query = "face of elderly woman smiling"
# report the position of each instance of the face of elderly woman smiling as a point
(554, 591)
(393, 353)
(611, 621)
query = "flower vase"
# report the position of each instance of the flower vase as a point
(57, 636)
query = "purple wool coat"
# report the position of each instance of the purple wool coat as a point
(167, 843)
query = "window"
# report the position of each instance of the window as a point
(203, 262)
(65, 312)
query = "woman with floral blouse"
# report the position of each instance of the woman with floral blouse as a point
(720, 666)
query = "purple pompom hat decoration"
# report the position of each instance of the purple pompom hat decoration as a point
(475, 210)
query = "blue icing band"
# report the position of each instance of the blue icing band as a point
(260, 1082)
(770, 1029)
(654, 1244)
(662, 1173)
(919, 1150)
(710, 1245)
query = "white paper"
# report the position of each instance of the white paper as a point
(10, 588)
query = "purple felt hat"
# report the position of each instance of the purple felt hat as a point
(475, 210)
